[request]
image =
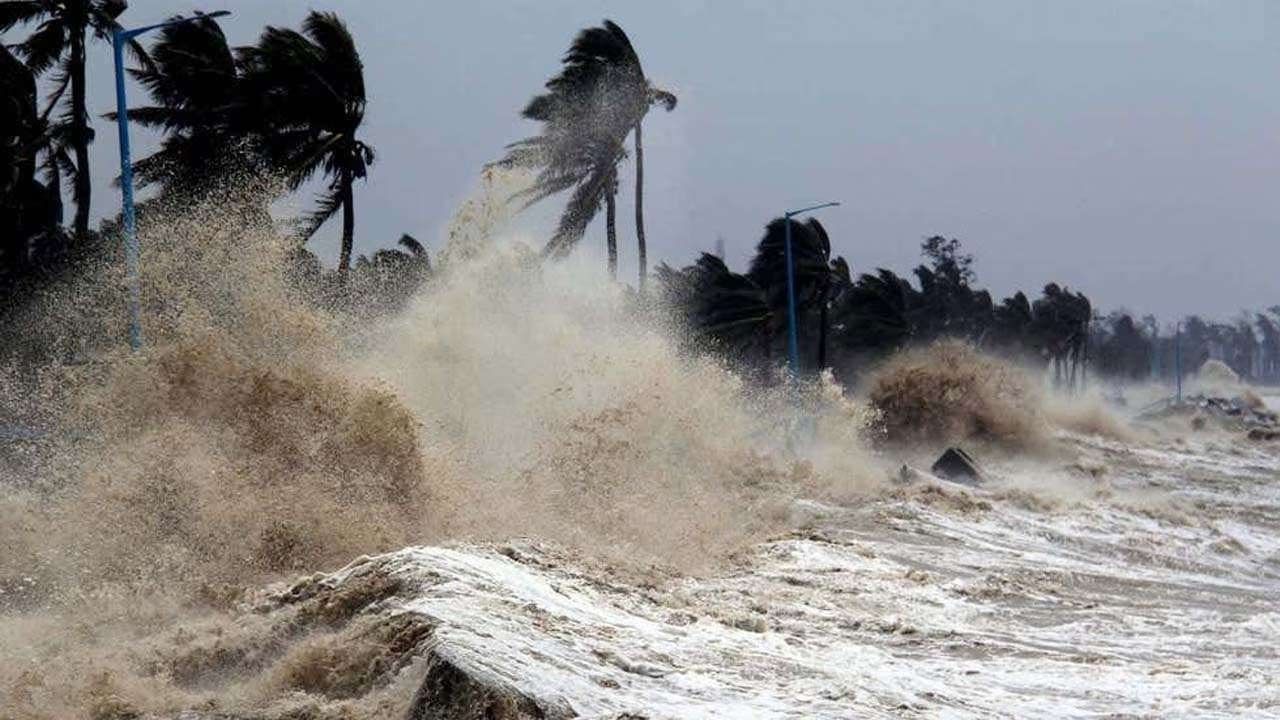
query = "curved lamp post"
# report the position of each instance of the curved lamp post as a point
(119, 39)
(793, 340)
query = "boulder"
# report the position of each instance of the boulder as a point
(958, 466)
(449, 692)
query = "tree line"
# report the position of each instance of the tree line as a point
(290, 106)
(1135, 350)
(849, 322)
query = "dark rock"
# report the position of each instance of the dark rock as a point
(450, 693)
(957, 466)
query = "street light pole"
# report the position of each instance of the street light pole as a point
(131, 261)
(793, 338)
(119, 39)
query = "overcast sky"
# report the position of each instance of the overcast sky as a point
(1128, 149)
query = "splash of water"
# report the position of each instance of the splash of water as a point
(258, 435)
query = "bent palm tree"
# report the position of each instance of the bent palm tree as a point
(877, 313)
(814, 271)
(60, 40)
(194, 81)
(308, 91)
(589, 108)
(729, 309)
(667, 100)
(635, 86)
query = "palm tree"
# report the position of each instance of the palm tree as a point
(391, 276)
(589, 108)
(1013, 325)
(1061, 322)
(814, 271)
(726, 308)
(579, 145)
(838, 284)
(307, 91)
(199, 103)
(1270, 331)
(637, 85)
(1122, 350)
(60, 40)
(878, 313)
(18, 130)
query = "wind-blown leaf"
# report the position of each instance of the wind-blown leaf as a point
(327, 205)
(44, 47)
(18, 12)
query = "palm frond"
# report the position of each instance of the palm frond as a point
(45, 46)
(582, 206)
(410, 243)
(303, 161)
(162, 118)
(191, 65)
(61, 82)
(327, 205)
(19, 12)
(344, 69)
(665, 98)
(66, 167)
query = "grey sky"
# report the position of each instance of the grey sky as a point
(1129, 149)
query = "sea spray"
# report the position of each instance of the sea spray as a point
(258, 435)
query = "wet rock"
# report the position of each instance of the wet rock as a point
(1259, 434)
(958, 466)
(450, 693)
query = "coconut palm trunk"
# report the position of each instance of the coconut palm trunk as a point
(642, 252)
(348, 226)
(80, 131)
(611, 229)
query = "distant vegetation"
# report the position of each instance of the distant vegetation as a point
(290, 108)
(848, 323)
(851, 322)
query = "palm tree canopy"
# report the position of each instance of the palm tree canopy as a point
(587, 111)
(192, 76)
(194, 81)
(57, 20)
(729, 308)
(811, 256)
(878, 312)
(308, 88)
(58, 41)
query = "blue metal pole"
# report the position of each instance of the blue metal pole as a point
(119, 39)
(131, 260)
(793, 339)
